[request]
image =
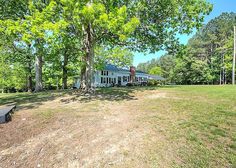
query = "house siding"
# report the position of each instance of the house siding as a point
(111, 76)
(115, 76)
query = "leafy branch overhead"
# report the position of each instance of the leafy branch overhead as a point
(115, 23)
(65, 33)
(206, 59)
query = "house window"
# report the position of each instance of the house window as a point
(104, 73)
(125, 79)
(114, 80)
(104, 80)
(109, 80)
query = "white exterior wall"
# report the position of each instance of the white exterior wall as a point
(98, 76)
(121, 74)
(141, 75)
(114, 75)
(111, 74)
(77, 83)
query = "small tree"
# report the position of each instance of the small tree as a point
(155, 71)
(33, 29)
(96, 24)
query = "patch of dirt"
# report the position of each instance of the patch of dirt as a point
(157, 95)
(98, 133)
(161, 95)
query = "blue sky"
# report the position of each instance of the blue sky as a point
(219, 7)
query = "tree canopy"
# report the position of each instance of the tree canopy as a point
(206, 59)
(51, 40)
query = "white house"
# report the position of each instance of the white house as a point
(111, 75)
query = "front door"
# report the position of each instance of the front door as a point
(119, 80)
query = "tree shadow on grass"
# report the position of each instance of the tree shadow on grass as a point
(107, 94)
(31, 100)
(34, 100)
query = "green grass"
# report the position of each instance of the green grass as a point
(193, 126)
(25, 98)
(201, 120)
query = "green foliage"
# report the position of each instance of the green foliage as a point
(161, 66)
(147, 66)
(118, 56)
(161, 21)
(207, 55)
(111, 24)
(213, 46)
(153, 82)
(58, 30)
(189, 70)
(12, 76)
(155, 71)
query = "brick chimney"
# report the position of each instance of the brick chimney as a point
(132, 74)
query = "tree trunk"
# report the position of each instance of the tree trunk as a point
(88, 60)
(57, 82)
(211, 62)
(220, 77)
(82, 74)
(64, 71)
(38, 67)
(38, 73)
(29, 79)
(30, 84)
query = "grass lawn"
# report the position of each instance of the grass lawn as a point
(198, 123)
(175, 126)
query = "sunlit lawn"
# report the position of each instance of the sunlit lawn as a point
(198, 124)
(191, 126)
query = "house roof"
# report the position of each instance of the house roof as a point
(138, 71)
(110, 67)
(156, 77)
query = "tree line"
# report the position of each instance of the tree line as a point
(44, 43)
(206, 59)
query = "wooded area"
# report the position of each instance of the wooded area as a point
(44, 43)
(181, 120)
(206, 59)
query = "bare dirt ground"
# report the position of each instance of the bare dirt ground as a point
(75, 131)
(121, 127)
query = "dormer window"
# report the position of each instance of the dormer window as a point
(104, 73)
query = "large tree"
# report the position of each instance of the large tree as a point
(119, 56)
(96, 25)
(32, 29)
(139, 25)
(208, 54)
(64, 53)
(213, 44)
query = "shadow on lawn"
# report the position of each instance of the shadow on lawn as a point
(108, 94)
(33, 100)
